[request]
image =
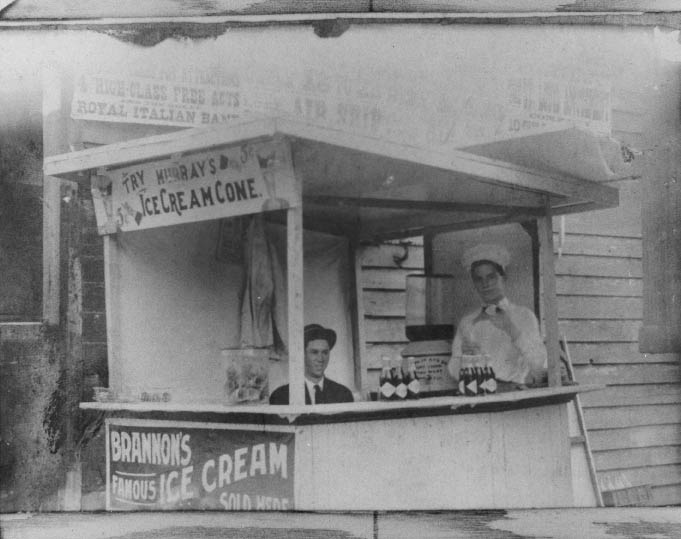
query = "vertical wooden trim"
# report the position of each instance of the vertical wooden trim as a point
(73, 359)
(428, 269)
(360, 364)
(112, 284)
(545, 229)
(531, 228)
(294, 276)
(53, 136)
(51, 258)
(428, 253)
(107, 484)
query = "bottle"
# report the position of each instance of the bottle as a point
(471, 381)
(412, 381)
(480, 379)
(398, 382)
(463, 378)
(386, 389)
(491, 378)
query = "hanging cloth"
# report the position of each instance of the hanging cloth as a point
(258, 296)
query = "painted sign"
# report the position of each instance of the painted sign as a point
(185, 102)
(226, 182)
(432, 373)
(166, 465)
(377, 102)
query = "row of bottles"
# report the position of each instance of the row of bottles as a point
(476, 377)
(396, 384)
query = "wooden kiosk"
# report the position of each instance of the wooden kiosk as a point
(505, 450)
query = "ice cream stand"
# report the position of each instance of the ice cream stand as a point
(158, 200)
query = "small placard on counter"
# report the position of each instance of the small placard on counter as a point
(431, 359)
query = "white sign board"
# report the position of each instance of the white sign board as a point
(113, 98)
(386, 105)
(237, 180)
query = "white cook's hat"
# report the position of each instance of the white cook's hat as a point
(486, 251)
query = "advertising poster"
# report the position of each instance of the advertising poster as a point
(453, 113)
(165, 465)
(236, 180)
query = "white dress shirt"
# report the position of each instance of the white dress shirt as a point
(310, 388)
(512, 360)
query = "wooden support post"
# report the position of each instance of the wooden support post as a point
(112, 284)
(428, 255)
(53, 137)
(358, 334)
(73, 360)
(531, 228)
(294, 276)
(545, 226)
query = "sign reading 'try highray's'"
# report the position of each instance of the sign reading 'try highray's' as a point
(161, 465)
(236, 180)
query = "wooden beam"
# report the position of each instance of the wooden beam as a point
(357, 316)
(296, 318)
(53, 135)
(550, 318)
(531, 228)
(405, 204)
(73, 358)
(385, 233)
(132, 151)
(428, 253)
(112, 292)
(578, 207)
(205, 22)
(476, 167)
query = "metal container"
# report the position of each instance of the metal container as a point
(429, 313)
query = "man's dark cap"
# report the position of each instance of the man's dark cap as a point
(315, 331)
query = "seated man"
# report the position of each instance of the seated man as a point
(318, 389)
(507, 333)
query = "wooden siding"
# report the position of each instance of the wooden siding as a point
(635, 423)
(383, 284)
(94, 316)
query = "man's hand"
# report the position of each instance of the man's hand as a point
(469, 347)
(503, 321)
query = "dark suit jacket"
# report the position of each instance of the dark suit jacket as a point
(333, 392)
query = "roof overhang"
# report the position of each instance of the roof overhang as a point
(370, 188)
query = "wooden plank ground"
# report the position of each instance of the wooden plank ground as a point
(607, 523)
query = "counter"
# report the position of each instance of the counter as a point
(505, 450)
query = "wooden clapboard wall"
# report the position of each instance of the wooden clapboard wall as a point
(383, 280)
(635, 423)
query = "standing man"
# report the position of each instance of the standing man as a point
(318, 388)
(507, 333)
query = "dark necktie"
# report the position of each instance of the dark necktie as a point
(318, 395)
